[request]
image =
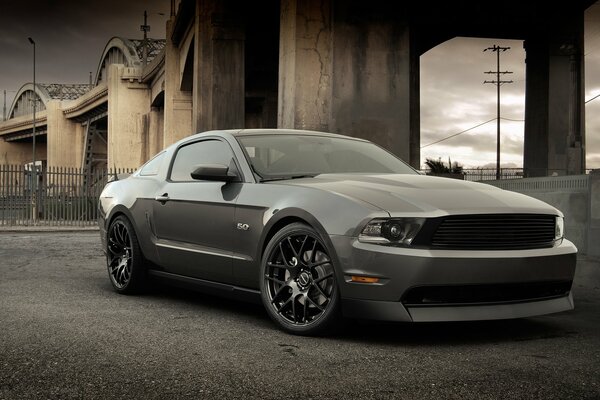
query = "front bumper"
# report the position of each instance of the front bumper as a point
(402, 269)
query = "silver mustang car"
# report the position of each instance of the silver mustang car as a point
(320, 226)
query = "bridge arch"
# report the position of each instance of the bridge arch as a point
(117, 51)
(23, 101)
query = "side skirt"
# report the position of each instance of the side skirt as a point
(209, 287)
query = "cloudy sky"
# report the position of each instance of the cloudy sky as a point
(454, 98)
(70, 37)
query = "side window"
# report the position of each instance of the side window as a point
(152, 166)
(193, 154)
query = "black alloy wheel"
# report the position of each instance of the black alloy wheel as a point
(124, 257)
(298, 284)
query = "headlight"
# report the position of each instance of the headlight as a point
(392, 231)
(559, 228)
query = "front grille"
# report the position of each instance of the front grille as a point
(477, 294)
(495, 232)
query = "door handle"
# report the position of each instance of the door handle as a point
(162, 198)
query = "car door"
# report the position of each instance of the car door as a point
(194, 218)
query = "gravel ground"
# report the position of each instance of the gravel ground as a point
(65, 334)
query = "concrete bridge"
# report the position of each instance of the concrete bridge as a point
(344, 66)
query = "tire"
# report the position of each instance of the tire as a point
(298, 282)
(124, 259)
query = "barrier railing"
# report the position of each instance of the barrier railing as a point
(60, 196)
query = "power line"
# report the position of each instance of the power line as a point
(459, 133)
(470, 129)
(593, 98)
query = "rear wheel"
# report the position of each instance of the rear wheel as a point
(124, 258)
(298, 284)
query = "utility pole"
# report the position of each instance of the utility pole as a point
(498, 83)
(4, 107)
(145, 28)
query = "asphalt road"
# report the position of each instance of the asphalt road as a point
(65, 334)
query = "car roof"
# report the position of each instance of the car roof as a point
(262, 132)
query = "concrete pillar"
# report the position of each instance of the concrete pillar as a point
(128, 105)
(374, 92)
(554, 102)
(218, 88)
(305, 62)
(63, 143)
(178, 103)
(376, 80)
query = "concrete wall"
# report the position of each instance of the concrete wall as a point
(13, 153)
(577, 196)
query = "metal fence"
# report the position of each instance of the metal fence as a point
(482, 174)
(489, 174)
(61, 196)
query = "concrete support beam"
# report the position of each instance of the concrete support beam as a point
(218, 82)
(374, 92)
(554, 102)
(128, 105)
(178, 102)
(63, 142)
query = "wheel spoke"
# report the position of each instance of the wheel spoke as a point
(319, 263)
(323, 278)
(302, 246)
(320, 290)
(294, 307)
(270, 264)
(285, 261)
(279, 291)
(113, 268)
(315, 304)
(289, 240)
(280, 310)
(305, 308)
(313, 252)
(279, 281)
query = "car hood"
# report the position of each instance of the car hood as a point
(403, 194)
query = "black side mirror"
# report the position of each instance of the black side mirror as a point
(213, 172)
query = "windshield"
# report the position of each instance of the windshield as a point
(275, 156)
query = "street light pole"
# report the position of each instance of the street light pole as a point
(33, 168)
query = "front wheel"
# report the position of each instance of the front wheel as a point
(124, 257)
(298, 284)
